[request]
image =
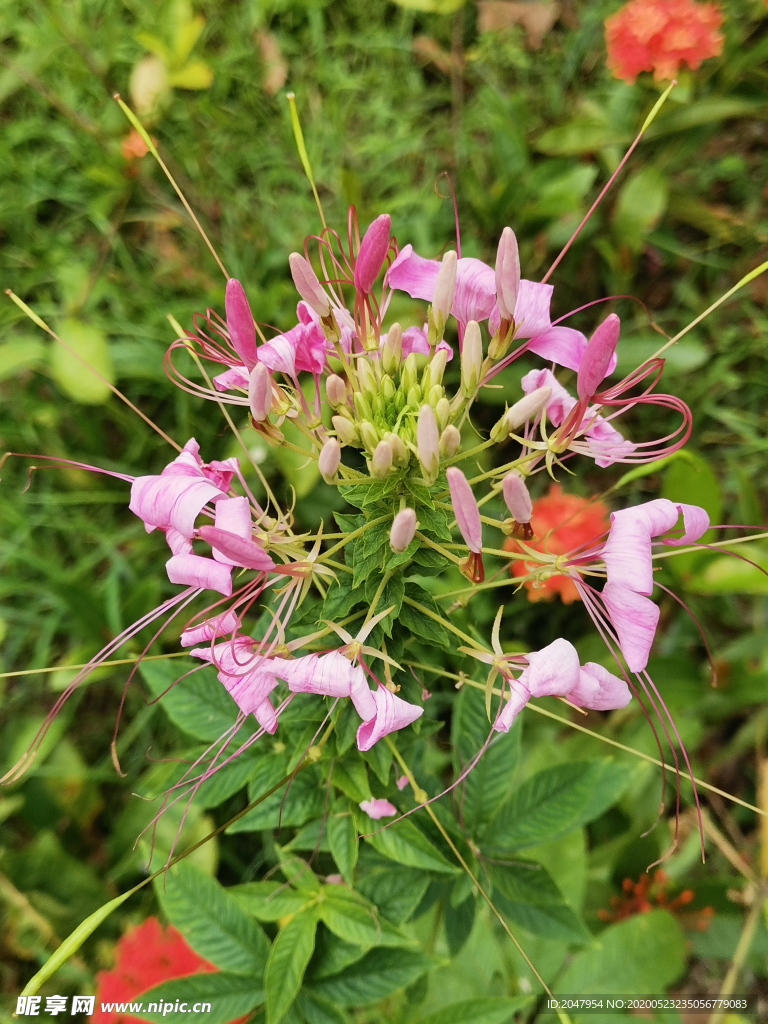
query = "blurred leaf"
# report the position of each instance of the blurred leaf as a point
(730, 574)
(582, 135)
(300, 471)
(692, 481)
(527, 894)
(554, 802)
(155, 46)
(482, 1010)
(212, 921)
(73, 377)
(645, 953)
(709, 111)
(684, 356)
(187, 34)
(432, 6)
(20, 355)
(342, 839)
(377, 975)
(269, 901)
(230, 995)
(640, 205)
(287, 963)
(195, 75)
(198, 704)
(403, 842)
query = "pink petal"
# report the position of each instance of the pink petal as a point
(599, 690)
(599, 357)
(634, 618)
(245, 553)
(378, 809)
(465, 509)
(627, 552)
(177, 542)
(412, 274)
(560, 402)
(221, 473)
(475, 294)
(372, 252)
(333, 675)
(240, 323)
(695, 522)
(519, 696)
(266, 717)
(402, 782)
(171, 500)
(196, 571)
(311, 348)
(279, 354)
(234, 516)
(553, 671)
(561, 345)
(234, 377)
(392, 714)
(210, 629)
(415, 340)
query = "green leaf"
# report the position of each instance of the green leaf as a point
(490, 781)
(351, 777)
(645, 953)
(396, 892)
(709, 111)
(481, 1010)
(298, 872)
(198, 704)
(288, 959)
(212, 921)
(527, 894)
(391, 597)
(378, 974)
(729, 574)
(432, 6)
(364, 564)
(292, 804)
(268, 901)
(379, 757)
(340, 599)
(230, 996)
(352, 919)
(320, 1011)
(20, 355)
(195, 75)
(414, 621)
(649, 467)
(404, 843)
(582, 135)
(74, 378)
(554, 802)
(640, 206)
(342, 839)
(434, 521)
(361, 495)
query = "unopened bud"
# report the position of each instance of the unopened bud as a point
(403, 529)
(434, 394)
(329, 459)
(307, 284)
(260, 391)
(370, 435)
(346, 431)
(366, 376)
(596, 362)
(442, 412)
(433, 374)
(527, 408)
(414, 396)
(381, 463)
(465, 509)
(471, 359)
(400, 453)
(335, 390)
(242, 331)
(409, 375)
(507, 274)
(500, 429)
(450, 441)
(392, 349)
(387, 387)
(362, 406)
(445, 286)
(372, 253)
(517, 498)
(428, 444)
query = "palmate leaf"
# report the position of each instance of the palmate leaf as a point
(212, 921)
(554, 802)
(268, 901)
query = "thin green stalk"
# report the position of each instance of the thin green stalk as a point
(444, 622)
(376, 597)
(439, 548)
(742, 950)
(352, 536)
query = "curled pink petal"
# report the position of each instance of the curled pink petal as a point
(627, 552)
(177, 542)
(245, 553)
(234, 516)
(372, 253)
(392, 714)
(210, 629)
(598, 357)
(249, 688)
(332, 675)
(475, 294)
(414, 275)
(163, 501)
(561, 345)
(402, 782)
(519, 695)
(635, 619)
(465, 509)
(240, 323)
(599, 690)
(553, 671)
(695, 523)
(234, 377)
(377, 809)
(196, 571)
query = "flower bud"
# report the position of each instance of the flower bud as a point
(242, 331)
(507, 274)
(335, 391)
(307, 284)
(517, 498)
(392, 349)
(500, 429)
(260, 391)
(367, 377)
(465, 509)
(362, 406)
(372, 253)
(381, 463)
(329, 459)
(434, 394)
(414, 396)
(450, 441)
(442, 412)
(409, 375)
(428, 444)
(471, 359)
(387, 387)
(445, 286)
(346, 431)
(528, 407)
(400, 454)
(433, 374)
(403, 529)
(596, 362)
(370, 435)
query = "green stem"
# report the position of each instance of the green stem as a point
(742, 950)
(352, 536)
(379, 591)
(444, 622)
(437, 547)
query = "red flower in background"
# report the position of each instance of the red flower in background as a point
(145, 956)
(660, 35)
(651, 894)
(561, 524)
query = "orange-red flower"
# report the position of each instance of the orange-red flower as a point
(650, 894)
(660, 35)
(145, 956)
(561, 524)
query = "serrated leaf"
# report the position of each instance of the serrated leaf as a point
(351, 778)
(361, 495)
(396, 891)
(379, 757)
(391, 597)
(418, 624)
(378, 974)
(363, 565)
(198, 704)
(434, 521)
(481, 1010)
(317, 1010)
(268, 901)
(288, 959)
(349, 917)
(230, 996)
(342, 840)
(555, 801)
(405, 843)
(397, 558)
(212, 921)
(293, 804)
(340, 599)
(298, 872)
(527, 894)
